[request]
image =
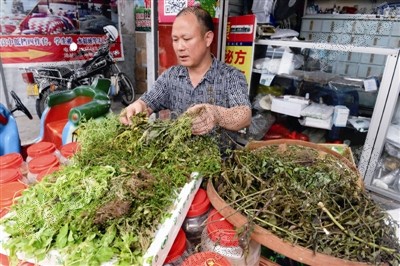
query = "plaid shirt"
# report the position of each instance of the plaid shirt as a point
(222, 85)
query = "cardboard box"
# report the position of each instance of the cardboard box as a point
(287, 107)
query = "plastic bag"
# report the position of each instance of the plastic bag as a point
(260, 124)
(319, 111)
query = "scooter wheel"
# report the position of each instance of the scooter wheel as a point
(126, 89)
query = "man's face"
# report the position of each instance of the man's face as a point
(189, 41)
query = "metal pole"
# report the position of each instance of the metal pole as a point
(3, 80)
(154, 28)
(223, 23)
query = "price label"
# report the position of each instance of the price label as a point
(266, 79)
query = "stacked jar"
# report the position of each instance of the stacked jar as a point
(206, 258)
(14, 161)
(220, 236)
(179, 251)
(40, 164)
(9, 193)
(10, 175)
(46, 172)
(4, 261)
(67, 151)
(40, 149)
(195, 220)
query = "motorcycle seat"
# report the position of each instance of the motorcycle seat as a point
(55, 130)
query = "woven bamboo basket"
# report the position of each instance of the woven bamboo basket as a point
(267, 238)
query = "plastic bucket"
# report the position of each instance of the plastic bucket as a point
(221, 237)
(9, 192)
(40, 149)
(67, 151)
(177, 252)
(10, 175)
(194, 222)
(45, 172)
(206, 258)
(40, 164)
(13, 160)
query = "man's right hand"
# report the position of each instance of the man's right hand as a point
(138, 106)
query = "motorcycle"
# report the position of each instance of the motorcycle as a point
(44, 81)
(60, 120)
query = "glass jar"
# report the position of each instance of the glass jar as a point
(39, 164)
(179, 251)
(9, 193)
(67, 151)
(206, 258)
(220, 236)
(11, 175)
(195, 219)
(41, 148)
(45, 172)
(14, 160)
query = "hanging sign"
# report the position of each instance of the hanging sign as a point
(168, 9)
(143, 15)
(40, 32)
(240, 43)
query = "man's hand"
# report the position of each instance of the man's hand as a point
(138, 106)
(205, 118)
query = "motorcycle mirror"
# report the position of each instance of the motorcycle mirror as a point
(73, 47)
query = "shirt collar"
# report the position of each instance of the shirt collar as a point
(210, 73)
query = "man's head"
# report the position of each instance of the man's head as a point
(204, 18)
(192, 35)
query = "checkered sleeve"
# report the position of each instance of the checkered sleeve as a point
(158, 97)
(235, 86)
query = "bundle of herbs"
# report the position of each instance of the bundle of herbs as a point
(311, 199)
(108, 204)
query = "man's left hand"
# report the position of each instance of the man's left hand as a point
(204, 118)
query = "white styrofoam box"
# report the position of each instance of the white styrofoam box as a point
(163, 239)
(166, 234)
(291, 108)
(396, 215)
(340, 116)
(317, 110)
(393, 135)
(317, 123)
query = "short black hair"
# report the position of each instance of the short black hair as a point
(202, 15)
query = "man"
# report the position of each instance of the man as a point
(200, 84)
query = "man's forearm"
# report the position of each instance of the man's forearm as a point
(234, 118)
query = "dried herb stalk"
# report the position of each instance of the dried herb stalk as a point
(296, 181)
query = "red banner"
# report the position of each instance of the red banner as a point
(31, 49)
(38, 32)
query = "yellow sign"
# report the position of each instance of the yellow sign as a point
(241, 58)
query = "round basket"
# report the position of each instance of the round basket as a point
(265, 237)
